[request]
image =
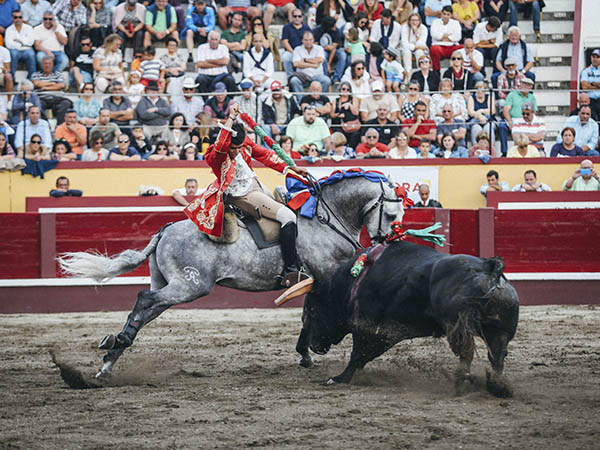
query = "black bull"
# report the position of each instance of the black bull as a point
(414, 291)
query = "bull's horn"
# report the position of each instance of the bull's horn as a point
(296, 290)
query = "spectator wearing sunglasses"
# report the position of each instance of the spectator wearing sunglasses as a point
(124, 151)
(428, 80)
(82, 64)
(51, 40)
(19, 39)
(188, 104)
(95, 151)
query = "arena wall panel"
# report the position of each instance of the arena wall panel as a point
(20, 246)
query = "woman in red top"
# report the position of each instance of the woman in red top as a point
(373, 9)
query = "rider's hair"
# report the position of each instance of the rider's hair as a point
(240, 134)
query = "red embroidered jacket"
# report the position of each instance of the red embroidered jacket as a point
(208, 209)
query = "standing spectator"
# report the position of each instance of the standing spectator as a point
(461, 79)
(368, 106)
(107, 129)
(567, 147)
(124, 151)
(234, 38)
(188, 104)
(51, 41)
(19, 39)
(513, 110)
(420, 127)
(70, 13)
(456, 100)
(212, 59)
(270, 6)
(531, 126)
(129, 22)
(174, 67)
(373, 10)
(100, 23)
(433, 10)
(33, 11)
(584, 179)
(108, 63)
(72, 132)
(317, 100)
(428, 80)
(414, 40)
(529, 6)
(176, 136)
(233, 6)
(386, 128)
(278, 109)
(445, 37)
(34, 125)
(95, 152)
(472, 60)
(291, 38)
(496, 8)
(509, 80)
(308, 62)
(487, 37)
(153, 112)
(345, 115)
(199, 21)
(161, 22)
(585, 131)
(590, 81)
(407, 102)
(82, 64)
(332, 41)
(400, 149)
(426, 202)
(514, 47)
(49, 85)
(121, 110)
(522, 148)
(309, 129)
(386, 31)
(258, 65)
(494, 184)
(372, 148)
(481, 108)
(531, 184)
(7, 7)
(468, 14)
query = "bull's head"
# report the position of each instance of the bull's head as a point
(387, 208)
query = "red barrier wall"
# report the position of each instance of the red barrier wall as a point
(20, 245)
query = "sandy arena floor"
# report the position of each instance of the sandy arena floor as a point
(228, 379)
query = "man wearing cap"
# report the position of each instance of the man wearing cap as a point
(513, 110)
(211, 60)
(258, 64)
(487, 36)
(153, 111)
(230, 159)
(590, 81)
(188, 104)
(532, 126)
(308, 62)
(278, 109)
(121, 111)
(508, 81)
(386, 30)
(309, 129)
(586, 131)
(217, 107)
(514, 47)
(247, 102)
(72, 132)
(199, 21)
(161, 22)
(368, 106)
(583, 179)
(445, 37)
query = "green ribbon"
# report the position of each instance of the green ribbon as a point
(426, 234)
(276, 148)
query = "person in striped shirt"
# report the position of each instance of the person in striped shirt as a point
(152, 68)
(532, 126)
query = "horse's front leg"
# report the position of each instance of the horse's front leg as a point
(305, 360)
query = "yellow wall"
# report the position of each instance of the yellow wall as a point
(459, 184)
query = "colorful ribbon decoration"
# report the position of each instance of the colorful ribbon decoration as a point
(267, 140)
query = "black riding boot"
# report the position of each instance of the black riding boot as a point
(292, 272)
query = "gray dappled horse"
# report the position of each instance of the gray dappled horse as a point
(186, 265)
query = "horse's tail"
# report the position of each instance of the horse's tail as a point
(102, 268)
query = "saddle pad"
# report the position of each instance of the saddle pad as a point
(269, 237)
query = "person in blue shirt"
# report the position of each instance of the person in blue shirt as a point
(124, 151)
(199, 21)
(6, 9)
(586, 131)
(33, 125)
(291, 37)
(590, 81)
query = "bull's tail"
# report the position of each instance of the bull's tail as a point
(102, 268)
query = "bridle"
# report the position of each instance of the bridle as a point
(380, 202)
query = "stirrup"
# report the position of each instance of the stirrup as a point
(291, 278)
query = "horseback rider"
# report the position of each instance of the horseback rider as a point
(237, 184)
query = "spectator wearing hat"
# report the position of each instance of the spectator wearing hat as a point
(121, 111)
(590, 81)
(368, 106)
(514, 47)
(161, 22)
(278, 109)
(217, 106)
(199, 21)
(308, 64)
(258, 63)
(309, 129)
(291, 37)
(585, 131)
(386, 31)
(211, 60)
(129, 22)
(188, 104)
(392, 71)
(247, 102)
(487, 36)
(72, 132)
(513, 110)
(508, 81)
(532, 126)
(445, 37)
(153, 112)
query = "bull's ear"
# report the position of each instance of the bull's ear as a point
(494, 266)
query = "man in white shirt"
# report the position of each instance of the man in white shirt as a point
(188, 104)
(487, 37)
(308, 64)
(211, 61)
(191, 188)
(445, 37)
(386, 31)
(258, 64)
(472, 60)
(51, 40)
(19, 39)
(5, 75)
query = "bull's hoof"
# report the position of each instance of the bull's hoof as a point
(306, 361)
(107, 343)
(497, 385)
(331, 382)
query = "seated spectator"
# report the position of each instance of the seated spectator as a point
(176, 136)
(258, 64)
(420, 127)
(188, 104)
(514, 47)
(494, 184)
(481, 108)
(425, 150)
(386, 31)
(95, 151)
(372, 8)
(162, 153)
(458, 129)
(124, 151)
(449, 147)
(467, 13)
(19, 39)
(392, 72)
(100, 23)
(35, 150)
(63, 189)
(217, 106)
(201, 133)
(583, 179)
(307, 129)
(522, 148)
(583, 100)
(445, 37)
(358, 78)
(174, 65)
(6, 151)
(496, 8)
(70, 13)
(234, 38)
(513, 110)
(271, 6)
(531, 184)
(211, 61)
(372, 148)
(286, 143)
(5, 76)
(108, 63)
(332, 41)
(487, 37)
(432, 9)
(375, 61)
(456, 100)
(129, 23)
(199, 21)
(531, 126)
(49, 85)
(354, 47)
(312, 153)
(278, 109)
(308, 63)
(189, 152)
(320, 102)
(121, 110)
(345, 115)
(585, 131)
(87, 106)
(61, 151)
(590, 81)
(109, 130)
(33, 11)
(190, 188)
(72, 132)
(50, 42)
(339, 9)
(472, 61)
(532, 7)
(482, 146)
(428, 80)
(461, 79)
(22, 101)
(339, 150)
(161, 23)
(153, 112)
(369, 105)
(413, 40)
(139, 141)
(401, 150)
(508, 81)
(426, 202)
(152, 68)
(567, 147)
(248, 104)
(82, 65)
(233, 6)
(291, 37)
(134, 88)
(386, 128)
(402, 9)
(34, 125)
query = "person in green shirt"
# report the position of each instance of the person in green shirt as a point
(161, 23)
(234, 38)
(583, 179)
(513, 110)
(308, 129)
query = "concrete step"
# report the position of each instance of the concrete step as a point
(554, 61)
(550, 110)
(554, 123)
(548, 38)
(558, 15)
(552, 49)
(558, 6)
(559, 73)
(552, 85)
(551, 98)
(547, 26)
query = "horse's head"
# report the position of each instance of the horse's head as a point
(385, 208)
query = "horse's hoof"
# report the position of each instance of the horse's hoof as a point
(306, 362)
(330, 382)
(108, 342)
(103, 376)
